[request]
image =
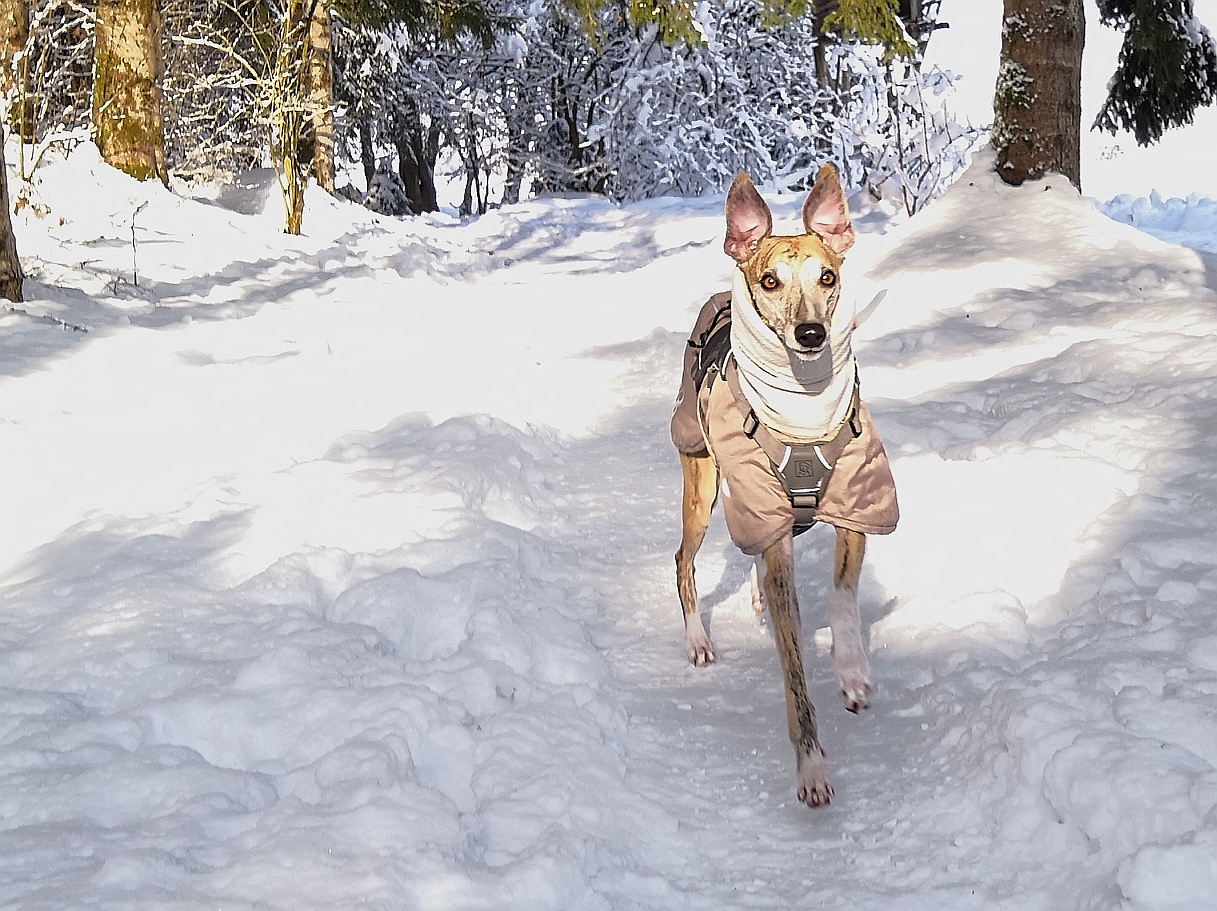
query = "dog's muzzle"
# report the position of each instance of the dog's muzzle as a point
(811, 335)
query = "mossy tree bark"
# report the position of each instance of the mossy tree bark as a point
(14, 33)
(127, 106)
(1038, 105)
(11, 277)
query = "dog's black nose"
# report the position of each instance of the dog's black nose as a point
(810, 335)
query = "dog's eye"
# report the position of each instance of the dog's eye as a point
(769, 281)
(828, 278)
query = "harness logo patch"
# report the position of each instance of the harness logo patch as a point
(805, 469)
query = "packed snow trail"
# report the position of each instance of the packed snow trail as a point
(337, 571)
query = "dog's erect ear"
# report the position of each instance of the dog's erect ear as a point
(748, 219)
(825, 212)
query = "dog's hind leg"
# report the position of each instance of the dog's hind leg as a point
(754, 583)
(849, 662)
(700, 492)
(777, 586)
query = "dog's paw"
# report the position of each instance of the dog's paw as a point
(758, 606)
(856, 696)
(701, 652)
(853, 678)
(814, 788)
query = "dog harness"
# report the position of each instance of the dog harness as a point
(803, 468)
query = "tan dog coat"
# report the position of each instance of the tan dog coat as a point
(861, 494)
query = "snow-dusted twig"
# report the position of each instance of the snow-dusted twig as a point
(134, 250)
(45, 318)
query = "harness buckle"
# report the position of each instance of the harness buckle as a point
(756, 422)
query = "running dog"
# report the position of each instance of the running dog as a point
(769, 414)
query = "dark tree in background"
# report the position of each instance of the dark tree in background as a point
(1167, 68)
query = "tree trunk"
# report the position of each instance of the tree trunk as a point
(475, 199)
(410, 171)
(288, 104)
(11, 278)
(821, 61)
(819, 53)
(127, 106)
(417, 151)
(823, 8)
(430, 155)
(1038, 104)
(14, 33)
(516, 152)
(321, 97)
(366, 156)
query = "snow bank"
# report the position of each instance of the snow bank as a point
(1191, 221)
(289, 618)
(1045, 377)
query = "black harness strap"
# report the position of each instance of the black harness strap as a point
(803, 468)
(712, 346)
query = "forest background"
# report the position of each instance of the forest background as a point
(624, 98)
(510, 97)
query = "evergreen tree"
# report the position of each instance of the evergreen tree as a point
(448, 18)
(1167, 67)
(873, 22)
(398, 91)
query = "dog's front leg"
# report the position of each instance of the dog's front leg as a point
(777, 587)
(754, 584)
(700, 492)
(849, 662)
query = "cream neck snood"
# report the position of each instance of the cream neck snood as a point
(803, 398)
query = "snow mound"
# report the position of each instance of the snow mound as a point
(1191, 222)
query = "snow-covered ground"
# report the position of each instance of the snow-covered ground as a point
(336, 571)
